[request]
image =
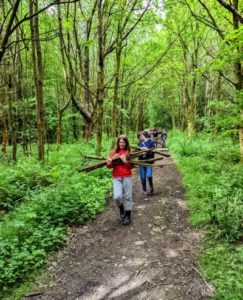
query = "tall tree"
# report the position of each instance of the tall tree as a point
(38, 77)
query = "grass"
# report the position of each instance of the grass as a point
(213, 179)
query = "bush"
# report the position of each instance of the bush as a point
(222, 265)
(18, 180)
(213, 179)
(214, 183)
(38, 225)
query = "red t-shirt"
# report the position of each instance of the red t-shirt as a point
(123, 170)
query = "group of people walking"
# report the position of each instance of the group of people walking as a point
(122, 172)
(158, 137)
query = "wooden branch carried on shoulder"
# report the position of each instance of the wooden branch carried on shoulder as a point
(95, 157)
(131, 158)
(153, 150)
(147, 162)
(93, 167)
(161, 153)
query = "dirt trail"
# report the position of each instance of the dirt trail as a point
(152, 258)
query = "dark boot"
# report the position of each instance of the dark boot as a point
(127, 219)
(122, 211)
(150, 180)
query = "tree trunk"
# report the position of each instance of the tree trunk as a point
(173, 120)
(5, 136)
(59, 122)
(7, 32)
(12, 116)
(88, 130)
(241, 137)
(5, 141)
(238, 70)
(3, 121)
(38, 76)
(100, 77)
(190, 119)
(114, 129)
(59, 128)
(87, 97)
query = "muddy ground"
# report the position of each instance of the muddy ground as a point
(153, 258)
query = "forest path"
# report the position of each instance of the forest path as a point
(152, 258)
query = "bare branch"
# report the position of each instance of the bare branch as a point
(112, 45)
(8, 29)
(26, 18)
(206, 22)
(232, 9)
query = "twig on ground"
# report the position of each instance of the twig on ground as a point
(209, 287)
(33, 294)
(192, 286)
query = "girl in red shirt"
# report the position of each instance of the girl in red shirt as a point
(122, 178)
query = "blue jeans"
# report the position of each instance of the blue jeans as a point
(122, 191)
(146, 172)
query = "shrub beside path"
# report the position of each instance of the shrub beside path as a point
(154, 258)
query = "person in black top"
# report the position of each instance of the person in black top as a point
(145, 171)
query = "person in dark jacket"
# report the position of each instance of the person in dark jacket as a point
(163, 138)
(154, 136)
(146, 172)
(122, 177)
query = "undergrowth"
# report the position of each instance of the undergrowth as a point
(213, 179)
(37, 215)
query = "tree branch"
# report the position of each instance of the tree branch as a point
(232, 9)
(211, 24)
(112, 46)
(8, 29)
(26, 18)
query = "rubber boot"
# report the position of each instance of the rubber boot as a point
(150, 180)
(127, 219)
(122, 211)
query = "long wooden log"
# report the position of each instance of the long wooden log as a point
(132, 154)
(130, 158)
(146, 163)
(161, 153)
(152, 159)
(94, 157)
(140, 151)
(153, 150)
(93, 167)
(141, 163)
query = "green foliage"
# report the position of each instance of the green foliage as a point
(226, 119)
(225, 211)
(214, 182)
(230, 50)
(213, 178)
(159, 115)
(222, 265)
(39, 224)
(186, 147)
(18, 180)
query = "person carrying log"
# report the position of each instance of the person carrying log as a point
(122, 177)
(146, 172)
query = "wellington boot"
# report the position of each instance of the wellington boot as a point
(127, 219)
(122, 211)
